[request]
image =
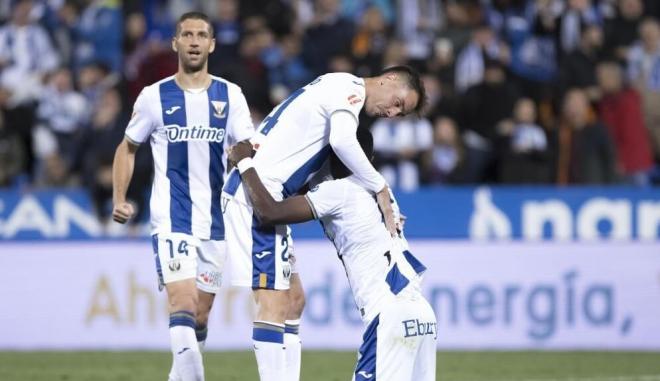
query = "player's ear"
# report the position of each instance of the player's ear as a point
(212, 48)
(174, 44)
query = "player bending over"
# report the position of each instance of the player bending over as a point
(399, 341)
(292, 143)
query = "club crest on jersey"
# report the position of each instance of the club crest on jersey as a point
(177, 133)
(219, 108)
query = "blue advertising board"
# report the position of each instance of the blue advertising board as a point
(483, 213)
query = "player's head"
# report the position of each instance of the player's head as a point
(366, 140)
(397, 91)
(193, 41)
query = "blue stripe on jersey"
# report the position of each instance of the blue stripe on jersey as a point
(396, 280)
(217, 92)
(171, 97)
(263, 254)
(365, 369)
(300, 177)
(232, 183)
(414, 262)
(271, 120)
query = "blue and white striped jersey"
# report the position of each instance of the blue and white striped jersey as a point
(189, 133)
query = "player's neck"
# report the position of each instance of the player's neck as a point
(194, 80)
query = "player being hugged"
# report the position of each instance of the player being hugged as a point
(399, 342)
(292, 143)
(190, 119)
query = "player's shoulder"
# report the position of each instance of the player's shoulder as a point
(150, 91)
(344, 82)
(232, 88)
(344, 90)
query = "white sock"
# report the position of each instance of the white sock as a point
(187, 357)
(268, 339)
(293, 347)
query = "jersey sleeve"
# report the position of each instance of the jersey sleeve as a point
(240, 123)
(325, 198)
(344, 143)
(142, 121)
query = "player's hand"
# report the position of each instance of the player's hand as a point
(385, 205)
(122, 212)
(240, 151)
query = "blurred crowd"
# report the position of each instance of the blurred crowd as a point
(519, 91)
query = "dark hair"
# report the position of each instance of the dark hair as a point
(366, 140)
(411, 77)
(194, 16)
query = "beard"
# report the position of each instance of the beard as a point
(193, 67)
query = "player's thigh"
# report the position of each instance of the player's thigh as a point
(175, 255)
(405, 325)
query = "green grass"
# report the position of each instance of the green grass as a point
(330, 366)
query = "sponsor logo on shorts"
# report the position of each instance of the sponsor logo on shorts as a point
(210, 278)
(415, 327)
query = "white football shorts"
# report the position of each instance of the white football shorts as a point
(259, 254)
(400, 342)
(180, 256)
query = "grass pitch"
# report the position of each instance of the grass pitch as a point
(331, 366)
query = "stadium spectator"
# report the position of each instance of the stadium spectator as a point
(399, 144)
(482, 108)
(97, 34)
(228, 35)
(578, 68)
(64, 111)
(644, 74)
(622, 31)
(417, 25)
(470, 63)
(584, 152)
(286, 69)
(26, 56)
(621, 111)
(444, 163)
(328, 35)
(369, 42)
(12, 155)
(525, 153)
(578, 15)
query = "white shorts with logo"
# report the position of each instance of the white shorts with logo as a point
(259, 254)
(180, 256)
(400, 343)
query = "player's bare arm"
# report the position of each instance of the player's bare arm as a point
(269, 212)
(122, 171)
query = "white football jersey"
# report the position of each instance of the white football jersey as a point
(292, 142)
(189, 133)
(377, 265)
